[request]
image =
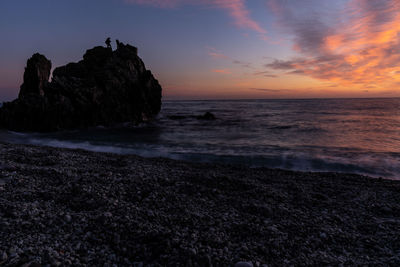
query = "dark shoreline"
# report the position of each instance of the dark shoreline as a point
(74, 207)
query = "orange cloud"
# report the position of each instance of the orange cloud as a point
(362, 50)
(222, 71)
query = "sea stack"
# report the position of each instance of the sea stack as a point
(105, 88)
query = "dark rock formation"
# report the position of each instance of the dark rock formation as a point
(105, 88)
(36, 76)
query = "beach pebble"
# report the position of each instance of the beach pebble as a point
(107, 214)
(244, 264)
(259, 216)
(3, 256)
(68, 218)
(12, 252)
(193, 251)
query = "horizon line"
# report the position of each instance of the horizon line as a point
(249, 99)
(300, 98)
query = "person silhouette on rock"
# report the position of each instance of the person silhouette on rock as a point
(108, 42)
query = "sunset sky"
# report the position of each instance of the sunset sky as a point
(219, 49)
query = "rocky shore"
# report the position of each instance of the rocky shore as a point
(61, 207)
(107, 87)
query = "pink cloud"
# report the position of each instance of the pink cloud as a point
(236, 8)
(214, 53)
(222, 71)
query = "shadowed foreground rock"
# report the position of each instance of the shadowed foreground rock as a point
(105, 88)
(77, 208)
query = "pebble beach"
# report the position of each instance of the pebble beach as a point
(63, 207)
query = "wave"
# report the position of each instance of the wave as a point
(296, 161)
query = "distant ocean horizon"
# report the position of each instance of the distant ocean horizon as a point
(349, 135)
(270, 99)
(178, 99)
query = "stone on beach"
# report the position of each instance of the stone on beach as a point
(244, 264)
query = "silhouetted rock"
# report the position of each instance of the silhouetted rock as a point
(36, 76)
(207, 116)
(105, 88)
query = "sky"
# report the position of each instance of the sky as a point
(219, 49)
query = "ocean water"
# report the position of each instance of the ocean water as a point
(341, 135)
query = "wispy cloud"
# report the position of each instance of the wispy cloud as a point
(265, 74)
(269, 90)
(236, 9)
(215, 53)
(222, 71)
(156, 3)
(357, 45)
(243, 64)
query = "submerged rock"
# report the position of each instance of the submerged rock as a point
(105, 88)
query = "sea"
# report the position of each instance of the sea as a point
(319, 135)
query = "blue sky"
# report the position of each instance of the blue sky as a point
(218, 48)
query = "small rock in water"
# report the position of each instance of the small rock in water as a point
(207, 116)
(244, 264)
